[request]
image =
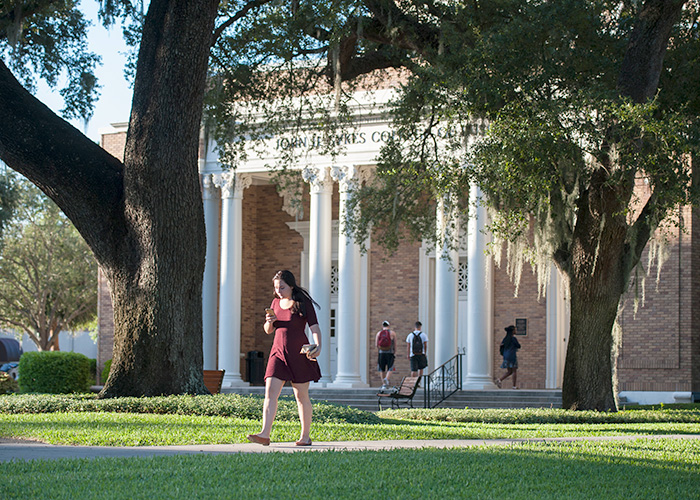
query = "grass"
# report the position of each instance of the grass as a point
(648, 469)
(640, 468)
(126, 429)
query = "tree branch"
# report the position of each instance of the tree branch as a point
(238, 15)
(83, 179)
(399, 29)
(641, 67)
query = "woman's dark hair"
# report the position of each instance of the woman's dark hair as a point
(510, 331)
(299, 294)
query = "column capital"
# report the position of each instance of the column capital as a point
(232, 184)
(347, 177)
(351, 176)
(208, 187)
(318, 178)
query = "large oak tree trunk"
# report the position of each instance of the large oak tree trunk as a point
(156, 281)
(606, 246)
(598, 276)
(143, 219)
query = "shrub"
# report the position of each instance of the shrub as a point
(54, 372)
(8, 385)
(542, 416)
(105, 371)
(222, 405)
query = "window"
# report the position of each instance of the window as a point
(334, 279)
(332, 322)
(462, 277)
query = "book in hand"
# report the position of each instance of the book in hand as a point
(307, 348)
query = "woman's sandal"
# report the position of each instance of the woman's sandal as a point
(255, 438)
(303, 443)
(497, 382)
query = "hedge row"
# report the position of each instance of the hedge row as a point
(224, 405)
(250, 407)
(545, 415)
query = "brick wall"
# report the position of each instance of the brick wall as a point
(114, 144)
(532, 361)
(655, 349)
(393, 297)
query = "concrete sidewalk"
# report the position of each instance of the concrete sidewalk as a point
(12, 449)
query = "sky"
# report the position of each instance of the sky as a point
(114, 102)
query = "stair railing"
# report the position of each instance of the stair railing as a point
(443, 382)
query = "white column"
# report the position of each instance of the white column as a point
(479, 366)
(232, 186)
(446, 285)
(209, 283)
(347, 317)
(557, 328)
(320, 234)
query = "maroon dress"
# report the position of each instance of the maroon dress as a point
(285, 362)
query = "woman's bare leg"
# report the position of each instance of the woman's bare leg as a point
(301, 393)
(273, 388)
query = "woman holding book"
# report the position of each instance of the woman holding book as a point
(291, 357)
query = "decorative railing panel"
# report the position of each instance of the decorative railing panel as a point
(443, 382)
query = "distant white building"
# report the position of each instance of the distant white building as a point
(80, 342)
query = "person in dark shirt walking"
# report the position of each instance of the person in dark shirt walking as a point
(509, 350)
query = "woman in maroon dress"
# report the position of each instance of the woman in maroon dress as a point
(291, 310)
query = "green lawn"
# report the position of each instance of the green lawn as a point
(666, 468)
(648, 469)
(134, 429)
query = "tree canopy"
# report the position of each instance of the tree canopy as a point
(582, 99)
(590, 110)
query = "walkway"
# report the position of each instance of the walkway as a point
(31, 450)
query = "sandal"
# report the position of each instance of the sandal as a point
(497, 382)
(255, 438)
(303, 443)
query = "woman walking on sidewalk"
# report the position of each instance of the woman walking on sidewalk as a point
(291, 357)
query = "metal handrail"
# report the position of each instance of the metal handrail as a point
(443, 382)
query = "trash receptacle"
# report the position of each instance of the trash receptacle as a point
(255, 364)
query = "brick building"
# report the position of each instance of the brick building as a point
(254, 229)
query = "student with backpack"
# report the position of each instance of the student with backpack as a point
(509, 348)
(386, 345)
(417, 342)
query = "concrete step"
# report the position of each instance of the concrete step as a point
(366, 398)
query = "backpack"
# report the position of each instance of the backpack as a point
(417, 344)
(384, 340)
